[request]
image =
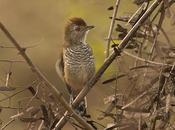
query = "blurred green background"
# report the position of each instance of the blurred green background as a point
(41, 23)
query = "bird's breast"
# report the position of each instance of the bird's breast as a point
(79, 66)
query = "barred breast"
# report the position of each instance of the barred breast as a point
(79, 65)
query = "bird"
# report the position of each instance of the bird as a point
(76, 63)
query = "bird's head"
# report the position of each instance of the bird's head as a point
(76, 30)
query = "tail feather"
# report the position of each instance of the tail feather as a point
(82, 107)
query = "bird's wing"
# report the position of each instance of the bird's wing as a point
(60, 67)
(60, 71)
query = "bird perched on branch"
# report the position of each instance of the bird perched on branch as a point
(76, 65)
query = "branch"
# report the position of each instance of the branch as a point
(43, 78)
(11, 61)
(7, 124)
(112, 27)
(110, 59)
(121, 46)
(6, 98)
(12, 47)
(146, 61)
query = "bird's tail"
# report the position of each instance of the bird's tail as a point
(82, 107)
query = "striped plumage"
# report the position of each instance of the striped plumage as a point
(76, 63)
(79, 66)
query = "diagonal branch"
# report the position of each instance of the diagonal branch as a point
(110, 59)
(43, 78)
(121, 46)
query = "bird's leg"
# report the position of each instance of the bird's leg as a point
(71, 94)
(71, 98)
(85, 101)
(82, 107)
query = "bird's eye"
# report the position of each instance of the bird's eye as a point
(77, 28)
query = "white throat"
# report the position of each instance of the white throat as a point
(85, 37)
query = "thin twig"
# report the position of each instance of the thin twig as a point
(6, 98)
(34, 96)
(8, 107)
(35, 70)
(109, 60)
(112, 27)
(11, 61)
(12, 47)
(166, 37)
(7, 124)
(146, 61)
(136, 13)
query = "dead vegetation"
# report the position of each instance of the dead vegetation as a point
(146, 102)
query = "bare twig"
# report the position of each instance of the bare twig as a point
(166, 36)
(136, 13)
(7, 124)
(112, 27)
(136, 99)
(6, 98)
(12, 47)
(146, 61)
(34, 96)
(8, 107)
(43, 78)
(11, 61)
(110, 59)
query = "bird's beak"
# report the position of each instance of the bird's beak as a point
(89, 27)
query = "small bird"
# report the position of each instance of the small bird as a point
(76, 65)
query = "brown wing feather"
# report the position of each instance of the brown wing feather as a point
(60, 67)
(60, 70)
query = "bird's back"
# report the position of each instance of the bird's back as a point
(79, 65)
